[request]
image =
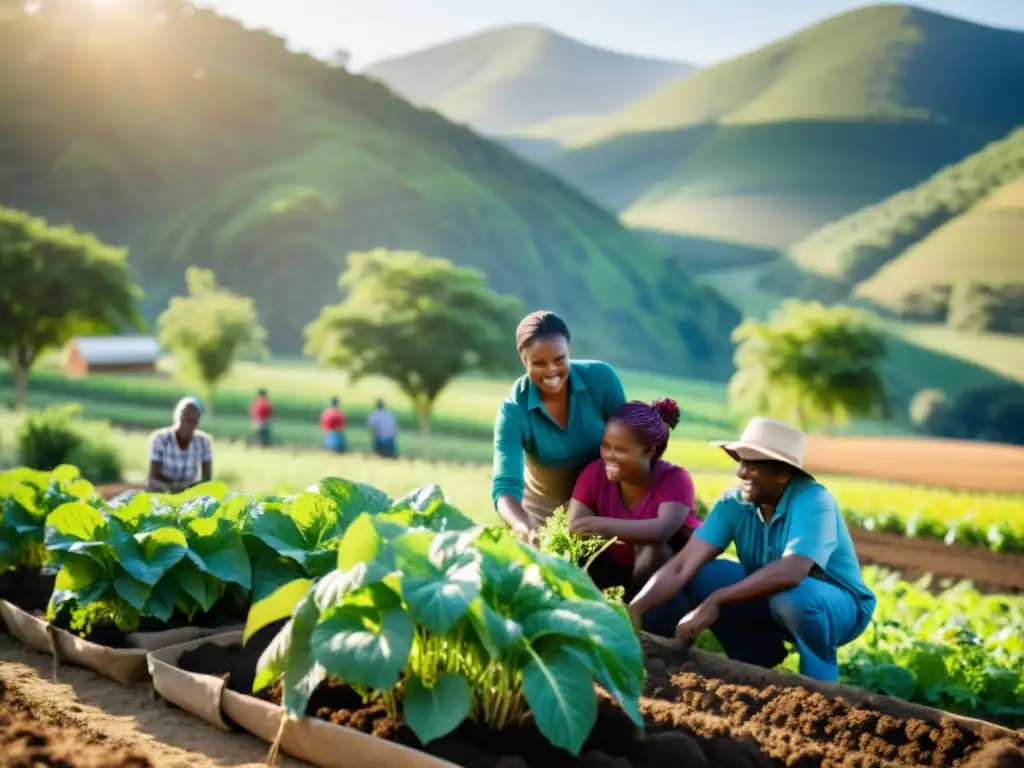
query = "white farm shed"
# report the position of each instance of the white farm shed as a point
(110, 354)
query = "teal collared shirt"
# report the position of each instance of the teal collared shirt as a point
(523, 425)
(807, 522)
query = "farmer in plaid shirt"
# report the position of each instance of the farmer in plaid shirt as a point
(180, 452)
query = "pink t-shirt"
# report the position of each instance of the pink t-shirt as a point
(668, 483)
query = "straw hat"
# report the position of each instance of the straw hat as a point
(767, 440)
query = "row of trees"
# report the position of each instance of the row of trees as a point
(420, 322)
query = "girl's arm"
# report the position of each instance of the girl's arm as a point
(671, 516)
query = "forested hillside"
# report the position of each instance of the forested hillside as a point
(959, 234)
(191, 140)
(766, 147)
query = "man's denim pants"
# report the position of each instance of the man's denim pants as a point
(816, 616)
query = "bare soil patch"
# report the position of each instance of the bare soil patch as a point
(699, 711)
(94, 709)
(960, 464)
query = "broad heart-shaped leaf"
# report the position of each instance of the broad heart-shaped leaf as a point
(162, 599)
(22, 518)
(131, 590)
(559, 687)
(316, 518)
(81, 579)
(432, 511)
(64, 473)
(362, 646)
(290, 657)
(270, 571)
(216, 548)
(368, 540)
(280, 533)
(75, 527)
(276, 606)
(497, 634)
(353, 499)
(436, 711)
(598, 625)
(202, 588)
(440, 601)
(147, 556)
(566, 579)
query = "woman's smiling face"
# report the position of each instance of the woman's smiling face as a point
(547, 364)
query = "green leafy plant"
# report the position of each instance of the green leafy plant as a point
(441, 627)
(555, 539)
(148, 557)
(27, 497)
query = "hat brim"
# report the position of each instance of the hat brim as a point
(739, 451)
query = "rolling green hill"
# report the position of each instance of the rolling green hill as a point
(506, 80)
(192, 140)
(764, 148)
(969, 272)
(906, 251)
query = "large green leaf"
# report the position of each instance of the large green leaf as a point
(290, 657)
(559, 687)
(496, 633)
(363, 646)
(75, 527)
(148, 556)
(280, 533)
(353, 499)
(216, 548)
(131, 590)
(440, 601)
(435, 711)
(204, 589)
(280, 604)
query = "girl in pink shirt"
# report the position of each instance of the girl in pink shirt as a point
(631, 494)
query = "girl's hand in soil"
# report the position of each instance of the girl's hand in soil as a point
(696, 621)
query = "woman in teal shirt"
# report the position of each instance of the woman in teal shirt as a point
(551, 424)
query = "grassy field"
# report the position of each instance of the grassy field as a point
(279, 470)
(772, 144)
(463, 424)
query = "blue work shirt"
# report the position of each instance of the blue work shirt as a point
(806, 522)
(524, 424)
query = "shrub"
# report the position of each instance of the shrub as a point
(57, 435)
(930, 410)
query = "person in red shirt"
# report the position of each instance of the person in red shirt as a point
(260, 413)
(332, 422)
(632, 494)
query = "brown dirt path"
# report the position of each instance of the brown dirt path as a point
(122, 717)
(961, 464)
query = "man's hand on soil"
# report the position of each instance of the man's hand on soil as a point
(696, 621)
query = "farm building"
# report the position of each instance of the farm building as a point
(110, 354)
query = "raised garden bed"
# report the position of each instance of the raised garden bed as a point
(698, 710)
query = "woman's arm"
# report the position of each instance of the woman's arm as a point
(156, 472)
(507, 478)
(671, 515)
(207, 459)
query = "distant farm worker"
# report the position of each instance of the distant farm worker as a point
(634, 495)
(260, 412)
(383, 428)
(797, 578)
(332, 422)
(550, 425)
(180, 453)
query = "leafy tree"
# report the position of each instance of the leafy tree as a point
(930, 410)
(417, 321)
(57, 283)
(208, 329)
(813, 366)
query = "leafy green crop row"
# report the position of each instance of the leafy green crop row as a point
(441, 620)
(991, 521)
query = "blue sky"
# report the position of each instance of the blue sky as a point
(700, 31)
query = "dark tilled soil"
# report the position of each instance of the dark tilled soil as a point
(26, 588)
(694, 718)
(28, 743)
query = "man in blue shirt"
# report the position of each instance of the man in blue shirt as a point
(797, 578)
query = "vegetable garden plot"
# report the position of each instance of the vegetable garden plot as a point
(697, 710)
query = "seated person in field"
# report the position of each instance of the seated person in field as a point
(797, 578)
(631, 494)
(180, 452)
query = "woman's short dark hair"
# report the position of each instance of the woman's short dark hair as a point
(542, 324)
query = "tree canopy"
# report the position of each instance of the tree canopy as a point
(809, 365)
(58, 283)
(208, 329)
(417, 321)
